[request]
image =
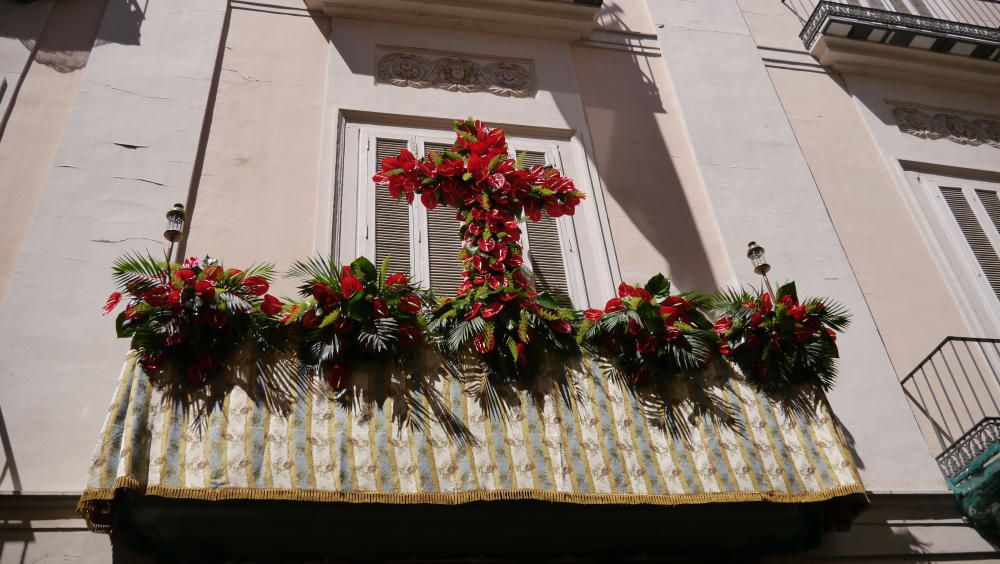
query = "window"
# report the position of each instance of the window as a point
(965, 222)
(426, 242)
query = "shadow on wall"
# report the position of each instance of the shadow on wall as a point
(66, 50)
(623, 104)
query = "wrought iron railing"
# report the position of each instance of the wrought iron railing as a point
(984, 13)
(954, 393)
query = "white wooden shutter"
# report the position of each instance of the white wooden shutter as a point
(545, 252)
(392, 217)
(975, 235)
(991, 203)
(443, 242)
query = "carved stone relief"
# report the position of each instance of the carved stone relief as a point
(457, 73)
(954, 128)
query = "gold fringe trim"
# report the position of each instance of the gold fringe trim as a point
(95, 504)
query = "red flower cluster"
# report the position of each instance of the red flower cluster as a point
(492, 195)
(181, 318)
(783, 341)
(478, 177)
(644, 324)
(351, 315)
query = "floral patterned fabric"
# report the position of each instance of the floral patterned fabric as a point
(585, 440)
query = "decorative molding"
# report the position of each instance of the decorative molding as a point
(831, 11)
(954, 128)
(456, 73)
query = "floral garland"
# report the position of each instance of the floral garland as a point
(648, 334)
(352, 315)
(780, 344)
(184, 320)
(496, 311)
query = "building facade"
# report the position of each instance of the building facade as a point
(858, 141)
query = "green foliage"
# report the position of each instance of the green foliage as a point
(783, 344)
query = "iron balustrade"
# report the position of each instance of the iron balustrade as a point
(954, 393)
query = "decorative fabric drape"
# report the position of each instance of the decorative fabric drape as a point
(591, 442)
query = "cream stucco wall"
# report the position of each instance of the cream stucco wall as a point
(256, 198)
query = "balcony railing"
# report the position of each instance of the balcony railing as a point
(984, 13)
(959, 27)
(955, 395)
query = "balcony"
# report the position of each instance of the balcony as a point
(955, 395)
(409, 464)
(902, 39)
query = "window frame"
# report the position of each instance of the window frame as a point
(955, 256)
(365, 190)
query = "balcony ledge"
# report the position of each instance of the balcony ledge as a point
(554, 19)
(854, 39)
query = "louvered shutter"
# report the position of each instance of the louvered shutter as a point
(545, 253)
(392, 217)
(443, 242)
(991, 202)
(974, 234)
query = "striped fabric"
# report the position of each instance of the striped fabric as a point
(597, 448)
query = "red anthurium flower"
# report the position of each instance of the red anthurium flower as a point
(787, 300)
(593, 314)
(256, 285)
(215, 319)
(325, 296)
(234, 273)
(205, 290)
(669, 314)
(634, 327)
(397, 279)
(337, 376)
(625, 290)
(174, 299)
(492, 309)
(613, 305)
(803, 334)
(496, 281)
(152, 362)
(522, 355)
(112, 302)
(723, 325)
(483, 343)
(131, 312)
(756, 319)
(157, 296)
(508, 296)
(474, 311)
(646, 344)
(409, 335)
(765, 304)
(186, 276)
(381, 310)
(670, 333)
(562, 326)
(410, 304)
(212, 272)
(831, 333)
(310, 319)
(797, 312)
(349, 284)
(724, 348)
(271, 305)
